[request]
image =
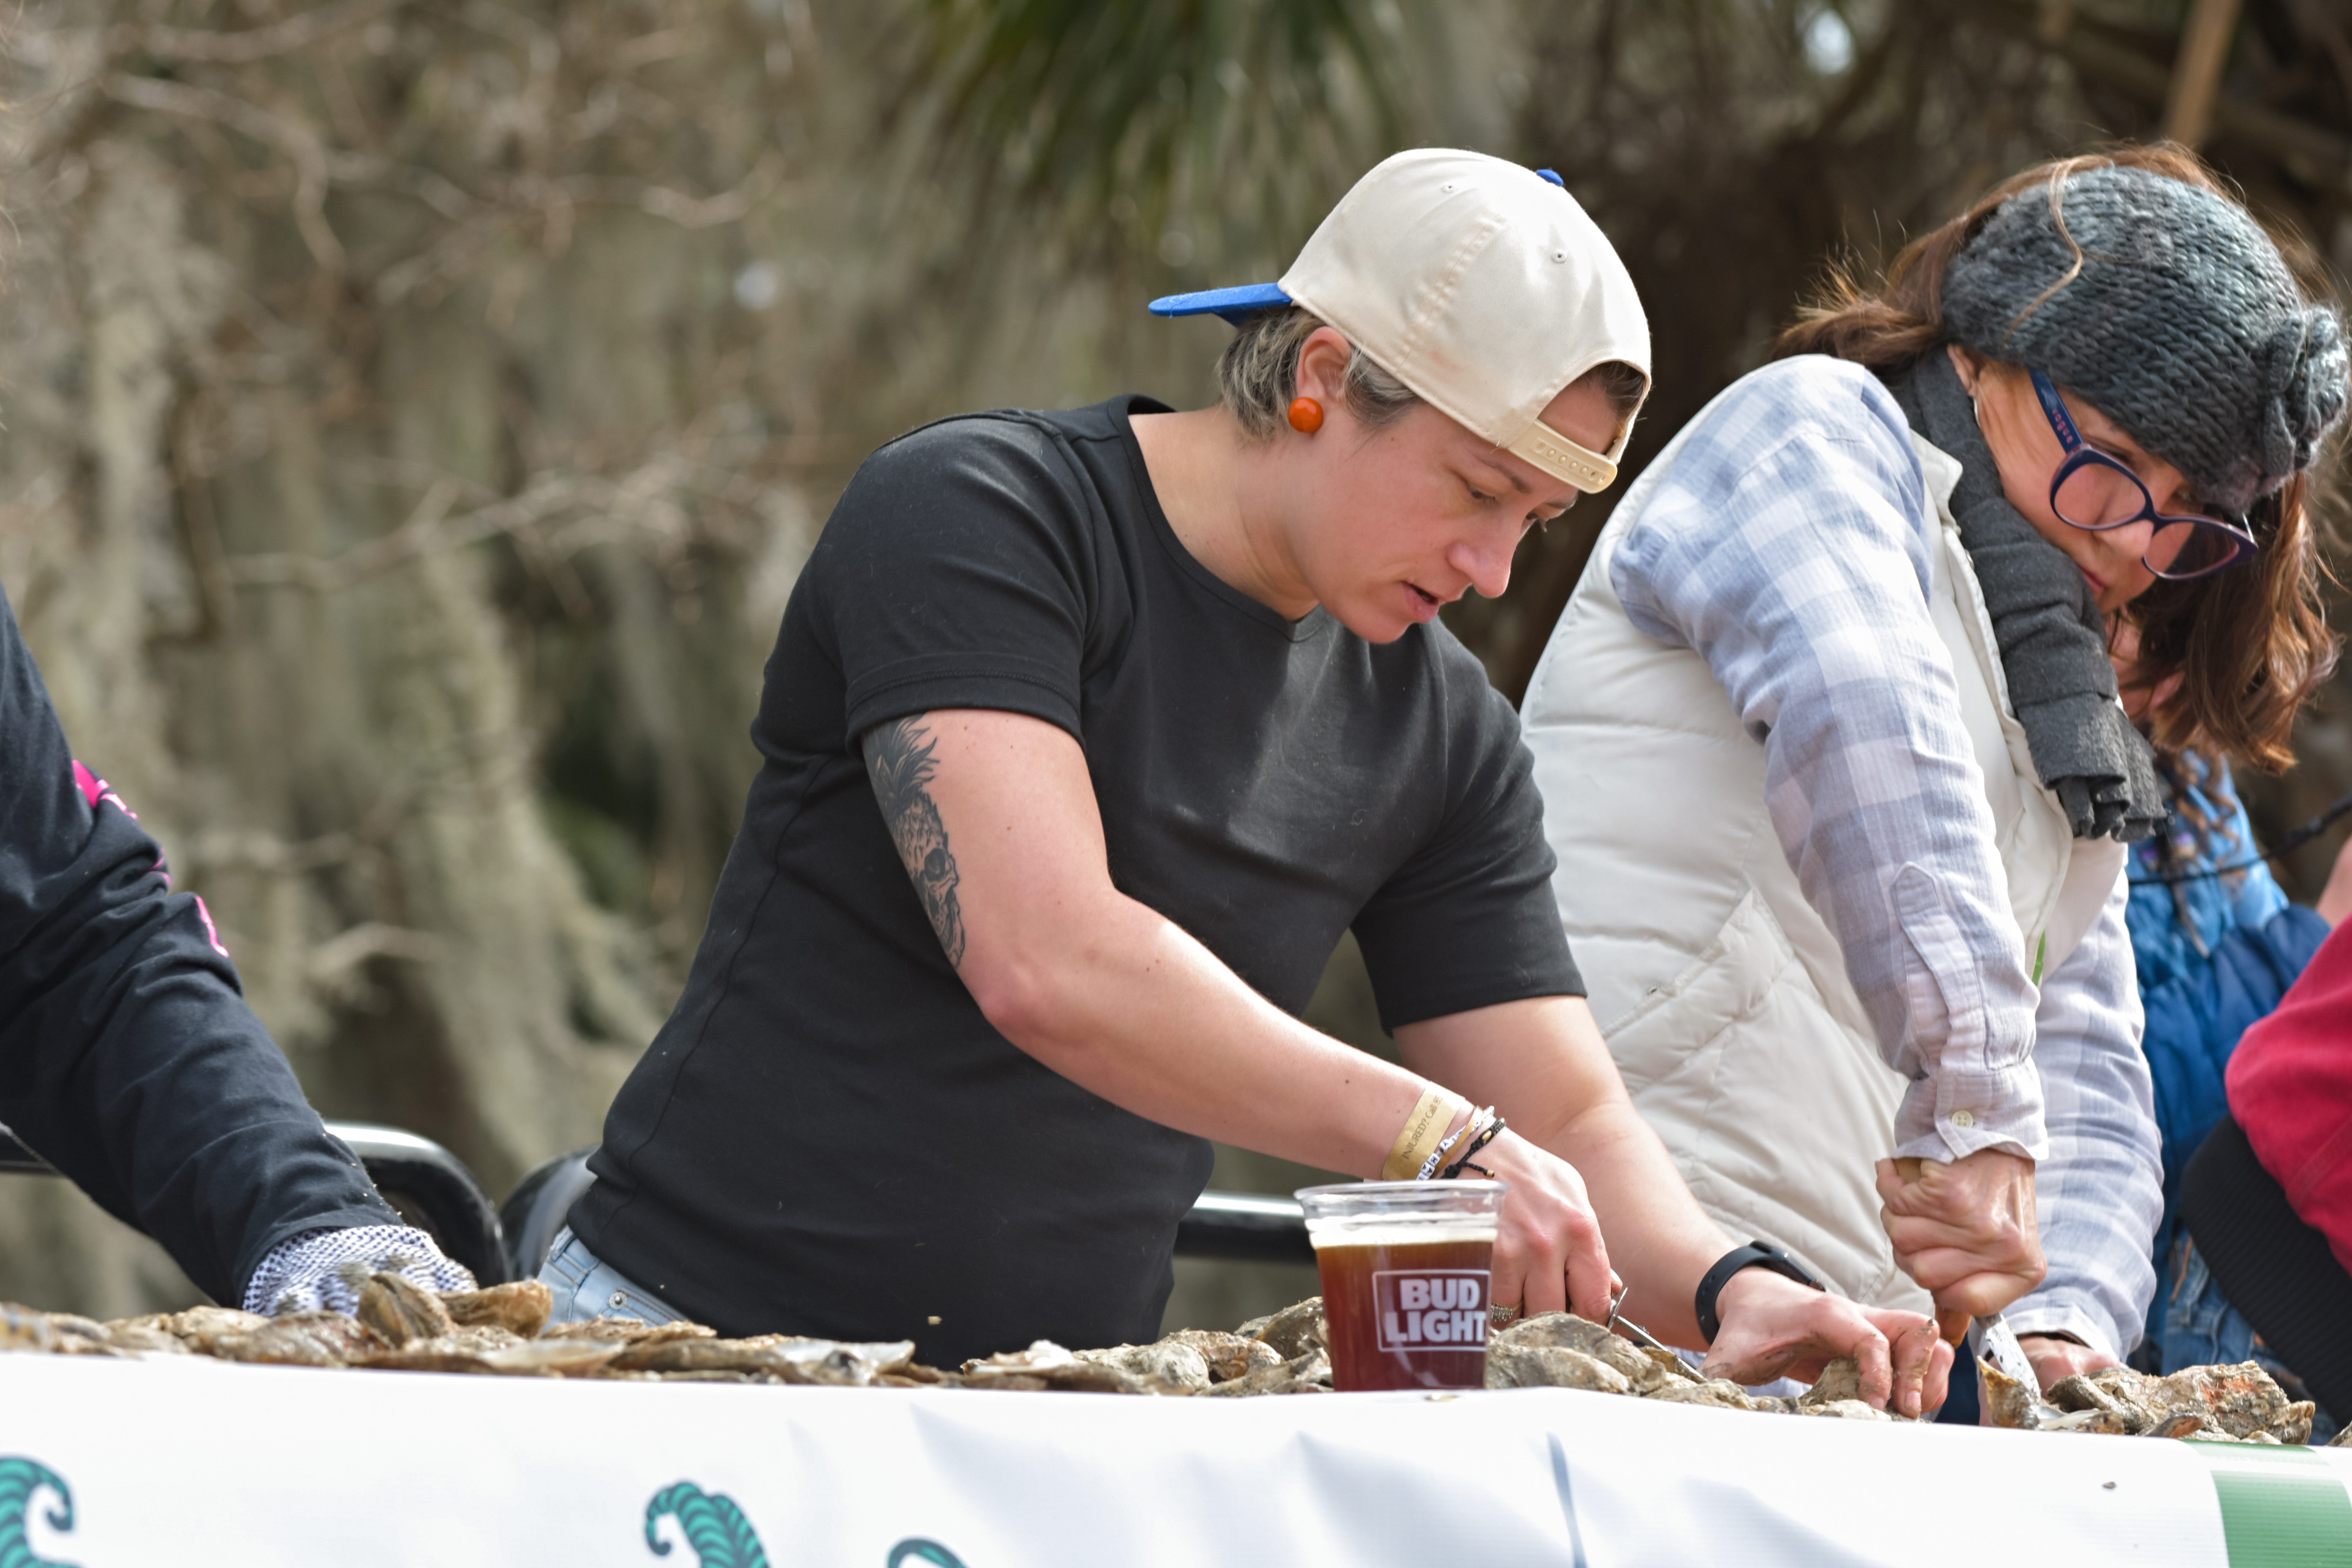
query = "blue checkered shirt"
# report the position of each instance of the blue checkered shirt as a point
(1792, 547)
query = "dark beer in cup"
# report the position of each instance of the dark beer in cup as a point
(1405, 1268)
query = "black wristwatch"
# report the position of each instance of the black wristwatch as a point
(1755, 1255)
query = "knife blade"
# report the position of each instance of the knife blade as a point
(1619, 1323)
(1993, 1339)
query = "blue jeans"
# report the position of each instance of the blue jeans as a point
(587, 1287)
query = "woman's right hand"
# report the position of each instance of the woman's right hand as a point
(1965, 1229)
(1549, 1255)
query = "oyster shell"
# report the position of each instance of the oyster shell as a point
(401, 1311)
(142, 1338)
(2008, 1403)
(1228, 1356)
(1551, 1366)
(1309, 1373)
(304, 1339)
(914, 1376)
(521, 1307)
(1844, 1410)
(1173, 1365)
(1295, 1331)
(1645, 1370)
(202, 1329)
(466, 1351)
(628, 1332)
(784, 1357)
(2294, 1425)
(1046, 1364)
(2076, 1393)
(2242, 1400)
(74, 1335)
(1719, 1391)
(1840, 1380)
(23, 1329)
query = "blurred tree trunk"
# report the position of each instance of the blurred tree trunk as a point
(372, 422)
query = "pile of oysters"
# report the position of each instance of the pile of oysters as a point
(504, 1332)
(2240, 1404)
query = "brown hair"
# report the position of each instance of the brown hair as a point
(1257, 376)
(2251, 644)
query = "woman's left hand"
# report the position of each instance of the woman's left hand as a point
(2054, 1359)
(1774, 1327)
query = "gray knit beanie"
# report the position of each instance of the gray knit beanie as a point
(2183, 326)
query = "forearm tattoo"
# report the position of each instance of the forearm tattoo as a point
(899, 756)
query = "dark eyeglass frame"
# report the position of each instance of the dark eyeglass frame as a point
(2081, 455)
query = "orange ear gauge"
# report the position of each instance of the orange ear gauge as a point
(1306, 416)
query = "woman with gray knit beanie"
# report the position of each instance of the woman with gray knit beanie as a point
(1831, 750)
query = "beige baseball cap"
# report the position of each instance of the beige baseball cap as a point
(1481, 285)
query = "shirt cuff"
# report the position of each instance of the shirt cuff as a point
(2051, 1312)
(1951, 1115)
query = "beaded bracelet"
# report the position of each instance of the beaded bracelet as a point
(1436, 1161)
(1487, 1135)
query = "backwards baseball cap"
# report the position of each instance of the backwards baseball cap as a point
(1479, 284)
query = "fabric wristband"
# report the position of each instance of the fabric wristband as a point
(1755, 1255)
(1423, 1131)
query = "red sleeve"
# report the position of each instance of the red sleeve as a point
(2290, 1084)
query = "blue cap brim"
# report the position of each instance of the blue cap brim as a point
(1236, 305)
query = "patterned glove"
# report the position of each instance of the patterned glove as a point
(323, 1269)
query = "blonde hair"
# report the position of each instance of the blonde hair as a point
(1257, 376)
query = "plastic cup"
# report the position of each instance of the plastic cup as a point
(1406, 1270)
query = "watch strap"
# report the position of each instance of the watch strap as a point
(1755, 1255)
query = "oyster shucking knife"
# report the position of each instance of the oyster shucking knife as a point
(1994, 1340)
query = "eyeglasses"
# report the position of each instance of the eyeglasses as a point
(2095, 492)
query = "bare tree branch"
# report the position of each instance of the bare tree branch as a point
(244, 47)
(291, 137)
(2197, 74)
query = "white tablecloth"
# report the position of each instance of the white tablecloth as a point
(178, 1462)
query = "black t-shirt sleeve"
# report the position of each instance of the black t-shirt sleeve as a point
(128, 1058)
(959, 570)
(1469, 920)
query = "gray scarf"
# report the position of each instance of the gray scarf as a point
(2051, 637)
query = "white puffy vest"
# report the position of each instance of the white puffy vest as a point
(1722, 993)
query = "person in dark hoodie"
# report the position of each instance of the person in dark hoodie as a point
(130, 1062)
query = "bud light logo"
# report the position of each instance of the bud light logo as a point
(1426, 1307)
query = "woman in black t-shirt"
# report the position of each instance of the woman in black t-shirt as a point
(1086, 736)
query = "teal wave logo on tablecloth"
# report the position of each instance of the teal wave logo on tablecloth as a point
(715, 1527)
(722, 1537)
(921, 1551)
(19, 1479)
